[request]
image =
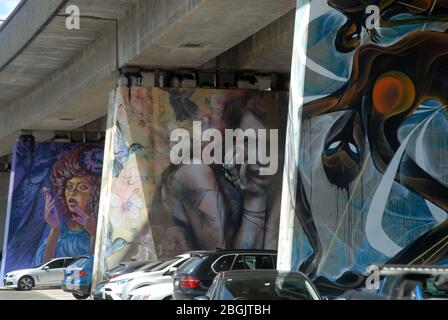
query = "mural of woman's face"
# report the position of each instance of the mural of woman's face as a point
(77, 194)
(251, 172)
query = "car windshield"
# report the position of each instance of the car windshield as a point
(164, 264)
(120, 268)
(80, 261)
(40, 265)
(267, 287)
(189, 265)
(149, 266)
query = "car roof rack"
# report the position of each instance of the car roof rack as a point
(386, 270)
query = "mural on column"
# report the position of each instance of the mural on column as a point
(374, 140)
(152, 208)
(53, 202)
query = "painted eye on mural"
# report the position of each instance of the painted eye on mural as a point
(334, 145)
(353, 148)
(83, 187)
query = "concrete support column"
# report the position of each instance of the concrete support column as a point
(288, 220)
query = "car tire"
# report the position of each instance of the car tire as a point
(25, 283)
(169, 298)
(80, 296)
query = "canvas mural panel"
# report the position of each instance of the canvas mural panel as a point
(53, 203)
(153, 208)
(373, 140)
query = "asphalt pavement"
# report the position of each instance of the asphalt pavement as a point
(45, 294)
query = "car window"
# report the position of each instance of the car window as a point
(56, 264)
(253, 262)
(68, 262)
(267, 288)
(224, 263)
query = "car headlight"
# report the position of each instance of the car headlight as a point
(12, 275)
(121, 282)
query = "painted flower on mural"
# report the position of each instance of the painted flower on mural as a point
(126, 199)
(128, 208)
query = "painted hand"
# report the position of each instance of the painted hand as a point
(88, 222)
(50, 214)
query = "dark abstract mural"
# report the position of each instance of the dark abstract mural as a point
(373, 140)
(53, 203)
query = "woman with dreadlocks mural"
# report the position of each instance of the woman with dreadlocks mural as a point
(72, 214)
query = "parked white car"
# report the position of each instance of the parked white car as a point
(159, 291)
(148, 280)
(114, 288)
(49, 274)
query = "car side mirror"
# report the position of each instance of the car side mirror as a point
(46, 268)
(202, 298)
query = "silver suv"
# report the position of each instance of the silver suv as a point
(49, 274)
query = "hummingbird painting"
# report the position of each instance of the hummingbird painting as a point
(123, 151)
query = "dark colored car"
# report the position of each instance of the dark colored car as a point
(413, 282)
(261, 285)
(98, 292)
(195, 276)
(78, 277)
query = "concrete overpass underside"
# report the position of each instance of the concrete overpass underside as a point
(59, 79)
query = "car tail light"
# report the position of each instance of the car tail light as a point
(112, 276)
(189, 282)
(82, 273)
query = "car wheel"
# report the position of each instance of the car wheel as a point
(25, 283)
(169, 298)
(81, 296)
